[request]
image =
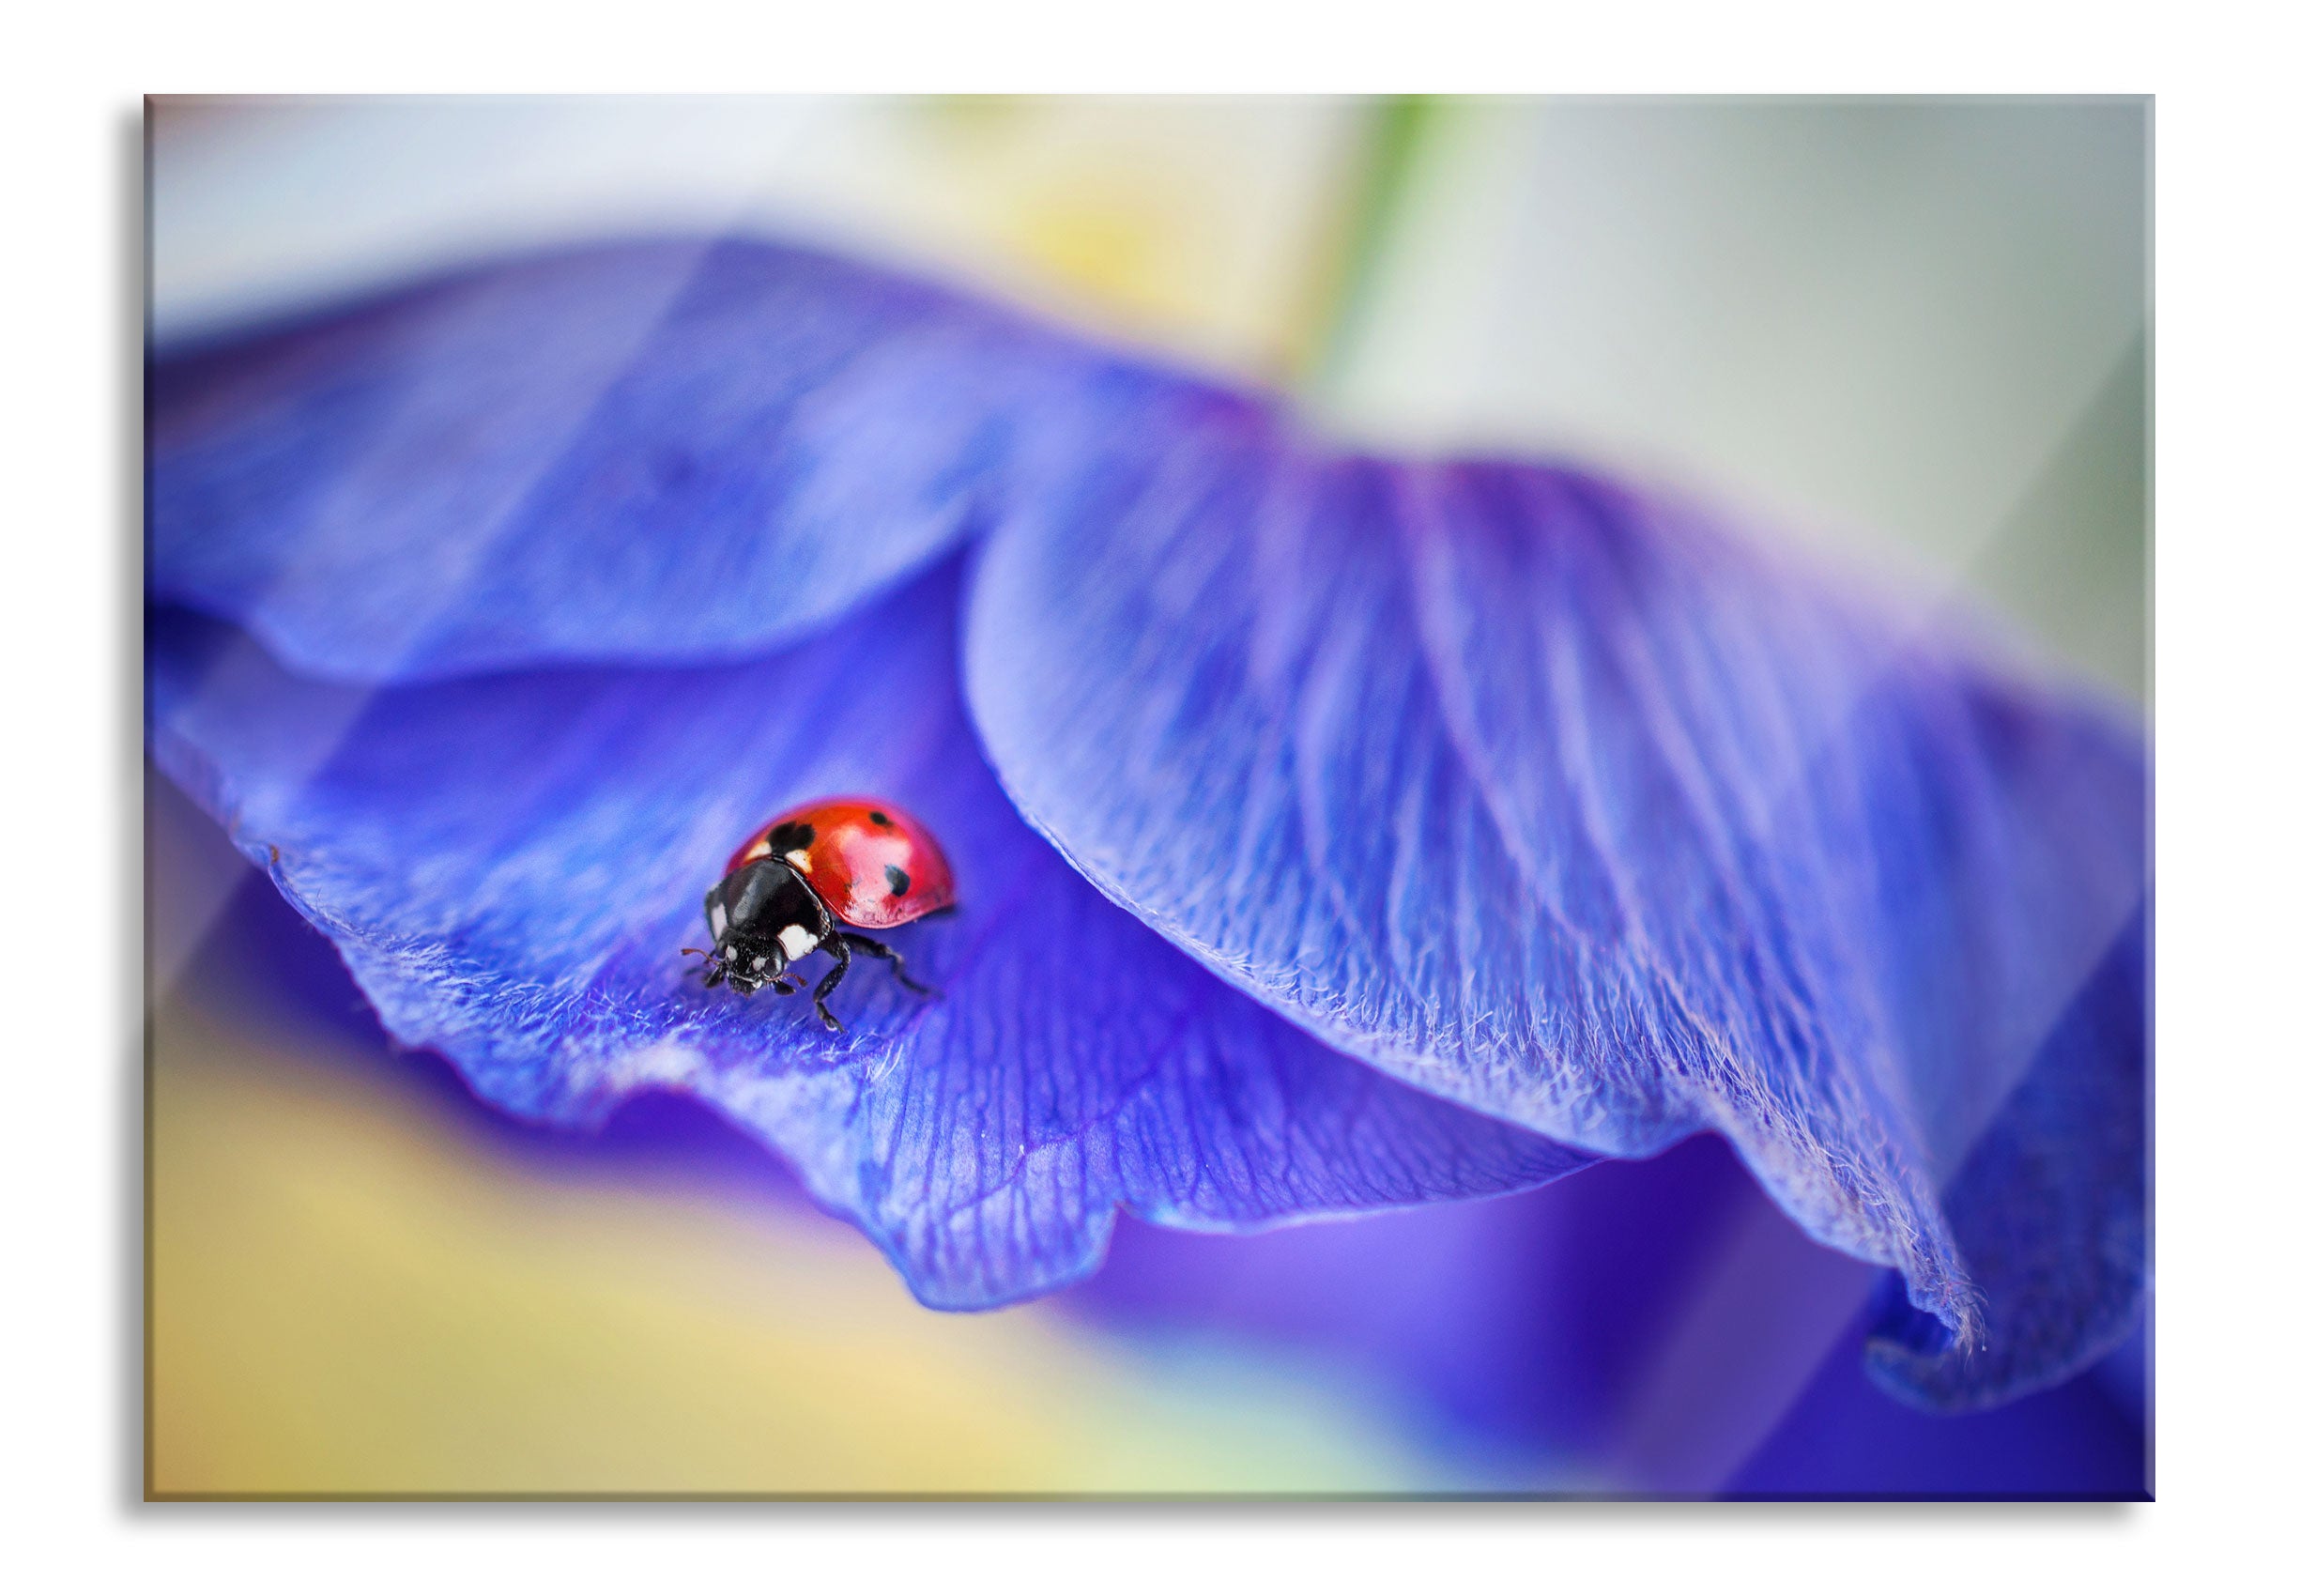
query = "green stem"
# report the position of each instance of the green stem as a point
(1396, 138)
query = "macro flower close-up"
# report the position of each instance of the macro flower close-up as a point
(1637, 1001)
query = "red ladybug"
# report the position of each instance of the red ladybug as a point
(857, 860)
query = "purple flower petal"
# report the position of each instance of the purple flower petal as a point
(679, 450)
(510, 866)
(1844, 1439)
(1546, 799)
(2050, 1206)
(1563, 805)
(1552, 1325)
(1649, 1327)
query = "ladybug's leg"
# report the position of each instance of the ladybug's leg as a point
(877, 949)
(836, 946)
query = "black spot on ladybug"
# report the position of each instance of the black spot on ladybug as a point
(878, 819)
(788, 835)
(897, 881)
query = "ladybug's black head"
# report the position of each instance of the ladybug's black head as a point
(762, 917)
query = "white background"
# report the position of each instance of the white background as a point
(2225, 618)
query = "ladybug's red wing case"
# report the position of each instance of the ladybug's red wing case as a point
(873, 864)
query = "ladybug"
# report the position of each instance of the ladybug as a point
(809, 871)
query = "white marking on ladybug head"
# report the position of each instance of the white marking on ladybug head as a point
(799, 860)
(759, 961)
(798, 942)
(719, 921)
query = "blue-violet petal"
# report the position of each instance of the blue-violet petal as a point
(1569, 805)
(665, 451)
(510, 866)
